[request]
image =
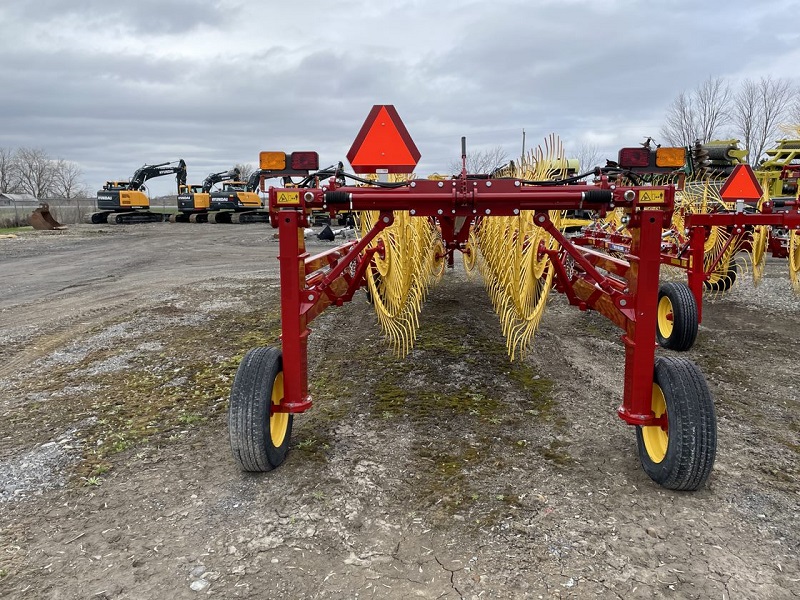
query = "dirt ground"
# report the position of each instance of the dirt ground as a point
(452, 473)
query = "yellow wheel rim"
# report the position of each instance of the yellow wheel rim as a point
(470, 257)
(383, 263)
(279, 421)
(438, 257)
(665, 317)
(655, 437)
(794, 259)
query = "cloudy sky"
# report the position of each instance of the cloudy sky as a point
(113, 85)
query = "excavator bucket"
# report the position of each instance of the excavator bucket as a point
(42, 219)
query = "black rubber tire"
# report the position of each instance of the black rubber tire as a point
(692, 427)
(684, 316)
(723, 284)
(249, 413)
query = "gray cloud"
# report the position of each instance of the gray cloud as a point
(114, 87)
(138, 16)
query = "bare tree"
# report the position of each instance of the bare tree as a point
(713, 100)
(67, 181)
(679, 129)
(759, 109)
(245, 170)
(588, 156)
(35, 171)
(483, 161)
(697, 115)
(745, 113)
(9, 174)
(793, 117)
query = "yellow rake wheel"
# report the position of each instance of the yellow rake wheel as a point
(400, 274)
(701, 197)
(718, 250)
(514, 261)
(758, 251)
(794, 259)
(679, 452)
(517, 272)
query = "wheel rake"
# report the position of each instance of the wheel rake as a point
(515, 265)
(409, 258)
(509, 227)
(721, 246)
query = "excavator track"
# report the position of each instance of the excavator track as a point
(247, 217)
(127, 218)
(223, 216)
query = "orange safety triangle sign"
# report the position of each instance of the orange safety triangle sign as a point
(383, 143)
(741, 185)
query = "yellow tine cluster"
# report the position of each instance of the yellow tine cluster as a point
(794, 260)
(399, 280)
(517, 275)
(702, 197)
(517, 279)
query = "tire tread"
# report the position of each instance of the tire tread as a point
(692, 427)
(685, 317)
(248, 415)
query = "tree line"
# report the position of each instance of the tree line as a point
(32, 171)
(756, 112)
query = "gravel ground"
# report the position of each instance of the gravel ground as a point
(452, 473)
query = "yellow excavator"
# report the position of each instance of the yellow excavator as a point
(239, 201)
(125, 201)
(194, 201)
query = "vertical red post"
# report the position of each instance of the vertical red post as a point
(640, 333)
(696, 275)
(294, 330)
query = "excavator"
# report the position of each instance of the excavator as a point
(239, 201)
(194, 200)
(125, 201)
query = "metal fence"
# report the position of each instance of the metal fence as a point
(67, 212)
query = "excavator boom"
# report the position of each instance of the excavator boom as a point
(125, 202)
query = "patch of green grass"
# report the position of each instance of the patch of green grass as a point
(794, 447)
(7, 230)
(445, 338)
(556, 453)
(315, 447)
(142, 403)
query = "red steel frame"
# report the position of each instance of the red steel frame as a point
(690, 255)
(624, 290)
